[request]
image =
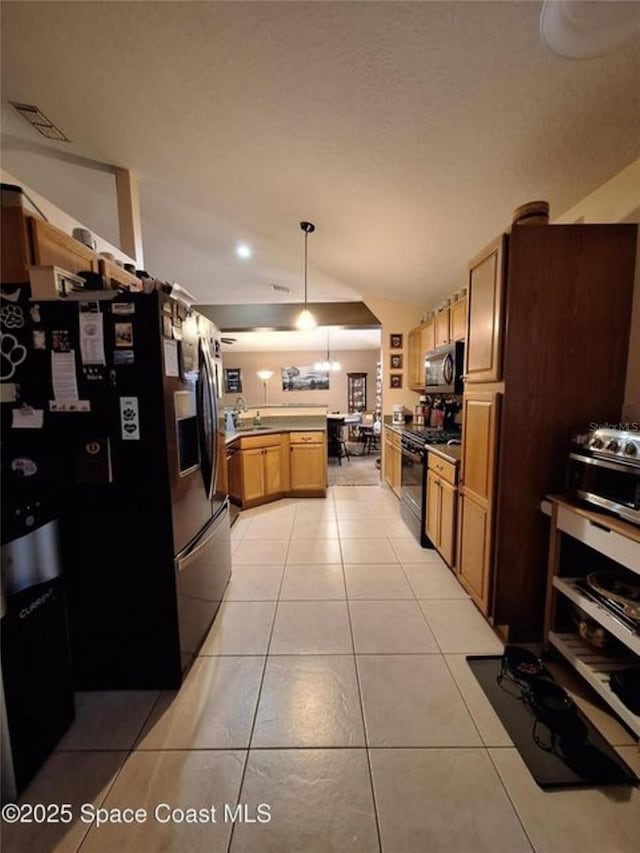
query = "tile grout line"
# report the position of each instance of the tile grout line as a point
(364, 725)
(129, 752)
(511, 802)
(259, 694)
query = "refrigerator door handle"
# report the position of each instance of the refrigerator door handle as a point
(204, 401)
(184, 560)
(213, 402)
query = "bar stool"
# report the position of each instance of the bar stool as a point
(343, 447)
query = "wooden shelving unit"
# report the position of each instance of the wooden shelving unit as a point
(612, 540)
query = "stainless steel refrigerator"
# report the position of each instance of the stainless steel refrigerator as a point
(128, 388)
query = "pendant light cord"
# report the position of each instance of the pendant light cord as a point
(306, 264)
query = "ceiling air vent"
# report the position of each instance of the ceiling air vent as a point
(40, 122)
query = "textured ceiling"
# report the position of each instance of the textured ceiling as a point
(407, 132)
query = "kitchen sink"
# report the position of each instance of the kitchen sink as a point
(251, 428)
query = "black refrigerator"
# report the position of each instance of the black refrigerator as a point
(126, 387)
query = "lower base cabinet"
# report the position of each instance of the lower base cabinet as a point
(392, 460)
(474, 562)
(265, 468)
(308, 463)
(256, 472)
(442, 504)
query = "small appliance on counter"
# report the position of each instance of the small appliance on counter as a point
(400, 415)
(420, 412)
(604, 470)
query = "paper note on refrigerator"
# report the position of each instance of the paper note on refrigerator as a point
(171, 366)
(27, 418)
(91, 337)
(63, 372)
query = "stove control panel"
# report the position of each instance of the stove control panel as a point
(612, 443)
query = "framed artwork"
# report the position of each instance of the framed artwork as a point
(304, 379)
(395, 380)
(395, 362)
(395, 341)
(233, 380)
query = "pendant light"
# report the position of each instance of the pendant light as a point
(328, 364)
(306, 320)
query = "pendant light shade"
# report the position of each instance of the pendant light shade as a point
(306, 320)
(328, 364)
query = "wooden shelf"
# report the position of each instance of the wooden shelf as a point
(571, 589)
(595, 667)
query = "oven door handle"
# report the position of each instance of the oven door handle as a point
(601, 463)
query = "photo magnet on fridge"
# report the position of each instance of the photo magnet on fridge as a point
(123, 356)
(39, 339)
(124, 335)
(123, 308)
(60, 340)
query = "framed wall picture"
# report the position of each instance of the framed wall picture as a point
(395, 362)
(233, 380)
(395, 341)
(395, 380)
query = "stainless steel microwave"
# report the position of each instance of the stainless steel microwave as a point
(443, 369)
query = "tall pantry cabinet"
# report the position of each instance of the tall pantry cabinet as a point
(548, 315)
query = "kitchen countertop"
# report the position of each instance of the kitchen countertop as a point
(449, 452)
(269, 426)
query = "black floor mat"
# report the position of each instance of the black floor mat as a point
(590, 763)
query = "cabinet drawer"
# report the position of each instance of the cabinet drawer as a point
(392, 437)
(252, 442)
(446, 470)
(597, 536)
(306, 438)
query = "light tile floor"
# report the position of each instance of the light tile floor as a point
(333, 689)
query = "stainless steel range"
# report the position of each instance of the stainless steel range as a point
(413, 494)
(604, 470)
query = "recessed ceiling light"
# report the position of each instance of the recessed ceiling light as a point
(243, 251)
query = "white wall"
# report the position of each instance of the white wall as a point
(352, 361)
(618, 200)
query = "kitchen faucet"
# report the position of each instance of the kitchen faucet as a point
(240, 405)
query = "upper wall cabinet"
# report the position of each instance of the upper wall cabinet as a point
(485, 313)
(442, 327)
(458, 322)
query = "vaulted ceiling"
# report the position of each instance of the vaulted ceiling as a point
(408, 132)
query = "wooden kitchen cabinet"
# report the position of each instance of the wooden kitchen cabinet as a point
(441, 327)
(483, 350)
(428, 340)
(392, 460)
(474, 556)
(442, 501)
(459, 320)
(255, 470)
(308, 463)
(477, 496)
(558, 363)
